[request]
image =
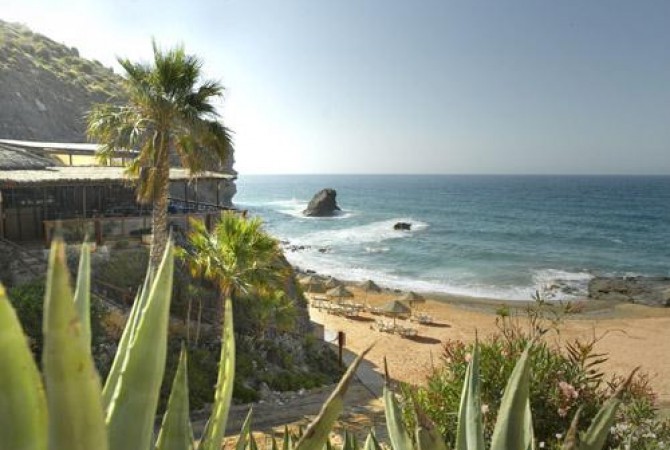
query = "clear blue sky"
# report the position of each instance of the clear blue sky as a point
(389, 86)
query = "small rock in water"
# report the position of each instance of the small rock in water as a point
(405, 226)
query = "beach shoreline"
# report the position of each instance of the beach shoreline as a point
(632, 335)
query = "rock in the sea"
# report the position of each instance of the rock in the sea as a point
(323, 204)
(402, 226)
(650, 291)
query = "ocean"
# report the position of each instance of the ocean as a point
(483, 236)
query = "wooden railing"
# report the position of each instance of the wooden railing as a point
(102, 229)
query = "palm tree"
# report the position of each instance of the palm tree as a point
(274, 308)
(169, 111)
(237, 256)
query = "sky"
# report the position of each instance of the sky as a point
(390, 86)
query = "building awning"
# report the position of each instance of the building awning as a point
(68, 175)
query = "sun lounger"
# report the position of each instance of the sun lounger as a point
(407, 332)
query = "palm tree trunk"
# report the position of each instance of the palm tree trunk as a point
(159, 219)
(218, 310)
(197, 329)
(188, 321)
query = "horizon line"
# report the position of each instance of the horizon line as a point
(458, 174)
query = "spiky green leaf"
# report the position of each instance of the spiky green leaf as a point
(216, 425)
(596, 435)
(74, 402)
(317, 432)
(513, 428)
(82, 294)
(371, 442)
(400, 438)
(176, 432)
(570, 441)
(114, 375)
(244, 432)
(23, 409)
(287, 442)
(470, 431)
(427, 436)
(130, 417)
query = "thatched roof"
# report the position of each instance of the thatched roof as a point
(396, 307)
(340, 291)
(371, 286)
(412, 298)
(16, 158)
(67, 175)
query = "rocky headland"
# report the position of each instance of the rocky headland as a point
(649, 291)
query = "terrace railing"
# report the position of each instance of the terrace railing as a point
(102, 229)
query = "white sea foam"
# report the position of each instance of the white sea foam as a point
(562, 285)
(294, 208)
(328, 265)
(363, 234)
(377, 249)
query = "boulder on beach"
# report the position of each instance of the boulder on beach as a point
(323, 204)
(650, 291)
(402, 226)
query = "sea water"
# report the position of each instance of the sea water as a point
(484, 236)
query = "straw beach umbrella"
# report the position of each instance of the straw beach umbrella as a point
(370, 286)
(332, 282)
(340, 292)
(312, 284)
(395, 308)
(412, 299)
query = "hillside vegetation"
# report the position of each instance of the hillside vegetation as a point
(46, 88)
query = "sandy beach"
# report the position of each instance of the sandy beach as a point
(633, 335)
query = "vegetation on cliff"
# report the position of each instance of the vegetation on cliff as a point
(47, 87)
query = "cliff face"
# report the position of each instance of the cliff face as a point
(46, 90)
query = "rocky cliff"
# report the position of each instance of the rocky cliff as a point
(46, 88)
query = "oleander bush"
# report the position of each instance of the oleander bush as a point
(563, 381)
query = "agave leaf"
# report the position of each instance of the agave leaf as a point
(596, 435)
(287, 443)
(82, 294)
(252, 441)
(348, 443)
(371, 442)
(114, 374)
(470, 432)
(244, 432)
(176, 432)
(528, 425)
(317, 432)
(130, 417)
(400, 439)
(274, 443)
(511, 430)
(23, 408)
(570, 441)
(428, 436)
(216, 425)
(74, 402)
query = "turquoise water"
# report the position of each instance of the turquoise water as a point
(485, 236)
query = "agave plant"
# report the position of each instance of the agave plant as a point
(67, 407)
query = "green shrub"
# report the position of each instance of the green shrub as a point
(560, 384)
(28, 302)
